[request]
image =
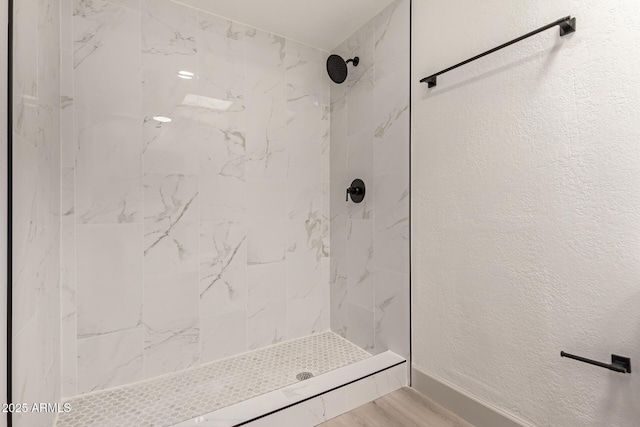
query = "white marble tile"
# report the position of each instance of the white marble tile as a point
(360, 165)
(25, 63)
(67, 228)
(361, 44)
(170, 223)
(338, 288)
(392, 39)
(68, 367)
(110, 360)
(360, 263)
(304, 317)
(221, 72)
(360, 326)
(67, 141)
(325, 279)
(392, 222)
(107, 55)
(109, 274)
(222, 174)
(223, 261)
(305, 52)
(304, 83)
(172, 148)
(168, 28)
(66, 25)
(391, 134)
(221, 26)
(326, 143)
(171, 338)
(223, 335)
(326, 221)
(163, 91)
(266, 283)
(304, 172)
(360, 108)
(266, 142)
(108, 169)
(392, 320)
(304, 253)
(265, 62)
(266, 229)
(131, 4)
(266, 324)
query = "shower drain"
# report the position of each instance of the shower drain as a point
(304, 376)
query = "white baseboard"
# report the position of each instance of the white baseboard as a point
(461, 403)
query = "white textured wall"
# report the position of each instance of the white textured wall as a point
(526, 190)
(3, 209)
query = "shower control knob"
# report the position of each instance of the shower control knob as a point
(357, 191)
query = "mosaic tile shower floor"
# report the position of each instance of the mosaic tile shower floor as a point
(170, 399)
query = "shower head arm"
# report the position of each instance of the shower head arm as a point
(355, 61)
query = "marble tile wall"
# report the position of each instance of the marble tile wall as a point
(36, 207)
(193, 240)
(369, 133)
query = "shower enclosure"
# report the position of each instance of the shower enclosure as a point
(181, 248)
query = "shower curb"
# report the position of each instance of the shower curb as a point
(315, 400)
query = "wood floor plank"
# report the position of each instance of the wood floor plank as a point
(402, 408)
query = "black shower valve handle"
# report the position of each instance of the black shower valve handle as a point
(357, 191)
(353, 191)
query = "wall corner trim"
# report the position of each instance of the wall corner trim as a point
(477, 412)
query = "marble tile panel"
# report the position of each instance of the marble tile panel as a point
(67, 141)
(392, 39)
(265, 62)
(392, 240)
(109, 274)
(110, 360)
(266, 324)
(360, 261)
(338, 282)
(304, 83)
(222, 169)
(107, 55)
(171, 323)
(304, 317)
(266, 143)
(266, 228)
(304, 189)
(392, 320)
(218, 25)
(360, 327)
(361, 44)
(171, 223)
(223, 335)
(168, 28)
(304, 253)
(223, 261)
(221, 59)
(108, 169)
(391, 118)
(360, 108)
(266, 283)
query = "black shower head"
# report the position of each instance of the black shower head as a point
(337, 67)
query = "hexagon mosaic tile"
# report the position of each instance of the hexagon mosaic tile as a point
(170, 399)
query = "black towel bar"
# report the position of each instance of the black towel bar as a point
(618, 363)
(567, 26)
